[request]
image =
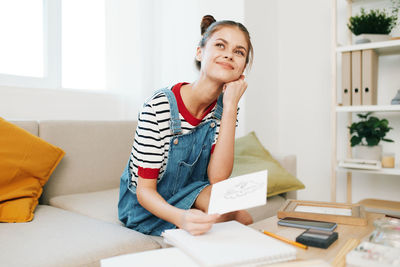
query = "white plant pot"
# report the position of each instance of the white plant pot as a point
(368, 152)
(370, 38)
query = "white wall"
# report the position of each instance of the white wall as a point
(289, 104)
(289, 98)
(161, 50)
(262, 114)
(49, 104)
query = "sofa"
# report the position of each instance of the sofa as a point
(76, 222)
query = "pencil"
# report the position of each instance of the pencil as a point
(294, 243)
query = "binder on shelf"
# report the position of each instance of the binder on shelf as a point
(356, 98)
(346, 78)
(369, 77)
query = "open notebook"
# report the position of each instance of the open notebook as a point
(230, 243)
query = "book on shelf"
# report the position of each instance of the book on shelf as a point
(359, 77)
(356, 98)
(361, 164)
(230, 243)
(369, 77)
(346, 78)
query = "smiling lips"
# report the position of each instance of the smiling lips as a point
(226, 65)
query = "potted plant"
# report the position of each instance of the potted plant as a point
(366, 135)
(374, 25)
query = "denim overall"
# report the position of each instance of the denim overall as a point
(184, 177)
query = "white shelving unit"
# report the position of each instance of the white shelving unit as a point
(391, 47)
(382, 48)
(380, 108)
(384, 171)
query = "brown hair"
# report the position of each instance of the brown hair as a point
(209, 26)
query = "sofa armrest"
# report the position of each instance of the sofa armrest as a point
(289, 162)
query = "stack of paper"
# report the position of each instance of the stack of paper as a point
(230, 243)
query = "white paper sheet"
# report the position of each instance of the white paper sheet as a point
(230, 244)
(241, 192)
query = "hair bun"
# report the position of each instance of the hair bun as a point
(206, 21)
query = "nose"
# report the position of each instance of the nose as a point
(228, 56)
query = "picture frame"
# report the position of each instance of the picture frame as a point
(341, 213)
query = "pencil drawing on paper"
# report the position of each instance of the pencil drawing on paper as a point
(242, 189)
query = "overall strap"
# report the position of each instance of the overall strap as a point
(219, 108)
(175, 122)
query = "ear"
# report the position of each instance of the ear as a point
(199, 52)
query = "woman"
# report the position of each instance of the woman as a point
(184, 142)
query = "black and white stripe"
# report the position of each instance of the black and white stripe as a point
(153, 135)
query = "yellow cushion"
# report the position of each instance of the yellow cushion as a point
(26, 163)
(251, 156)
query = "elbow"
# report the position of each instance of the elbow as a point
(140, 195)
(220, 173)
(219, 177)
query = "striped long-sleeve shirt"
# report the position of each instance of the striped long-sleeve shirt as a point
(149, 154)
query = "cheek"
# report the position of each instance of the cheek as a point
(242, 65)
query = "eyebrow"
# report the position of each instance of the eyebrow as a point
(238, 46)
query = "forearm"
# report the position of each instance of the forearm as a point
(152, 201)
(221, 162)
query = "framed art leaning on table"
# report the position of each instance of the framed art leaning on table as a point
(352, 214)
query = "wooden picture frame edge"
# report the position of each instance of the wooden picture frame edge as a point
(358, 216)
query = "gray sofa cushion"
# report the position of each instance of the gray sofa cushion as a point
(102, 205)
(61, 238)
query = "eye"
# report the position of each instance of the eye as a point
(220, 45)
(240, 52)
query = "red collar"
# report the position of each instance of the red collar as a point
(184, 111)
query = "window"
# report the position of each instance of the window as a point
(53, 43)
(21, 31)
(83, 44)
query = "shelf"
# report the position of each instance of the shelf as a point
(383, 171)
(363, 1)
(377, 108)
(341, 13)
(383, 48)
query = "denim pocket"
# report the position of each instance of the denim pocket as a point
(183, 173)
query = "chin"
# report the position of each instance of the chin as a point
(224, 78)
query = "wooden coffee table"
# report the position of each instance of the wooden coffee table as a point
(345, 232)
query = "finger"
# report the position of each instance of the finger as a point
(200, 232)
(242, 77)
(198, 229)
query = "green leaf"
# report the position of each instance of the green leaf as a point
(369, 128)
(355, 140)
(374, 21)
(372, 140)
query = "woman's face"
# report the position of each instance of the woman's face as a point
(223, 58)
